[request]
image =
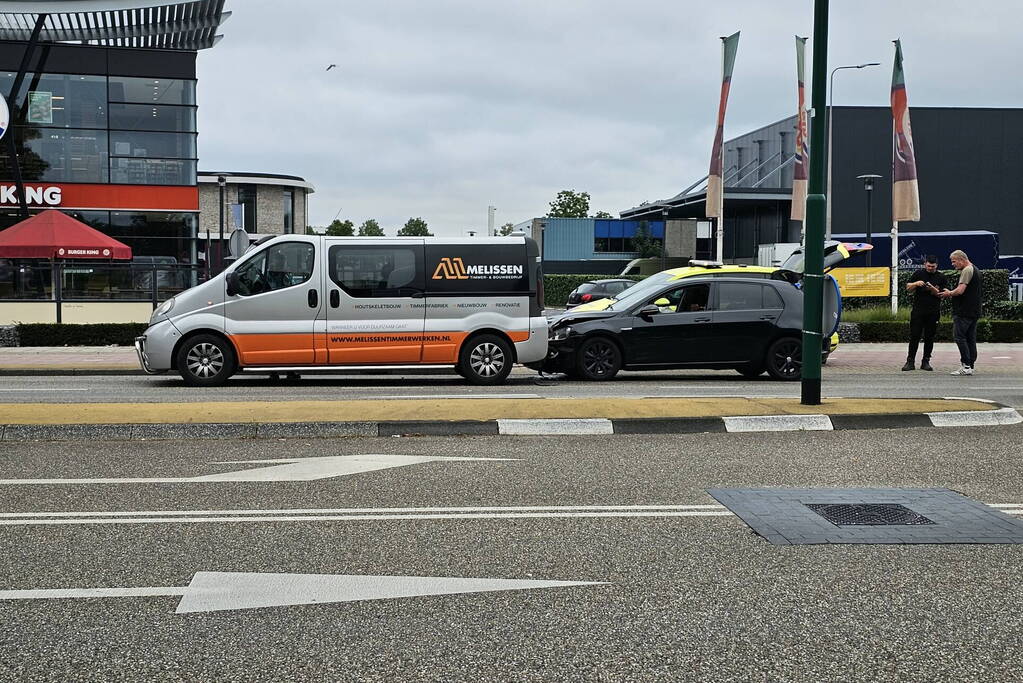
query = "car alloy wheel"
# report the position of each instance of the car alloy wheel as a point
(205, 361)
(599, 359)
(485, 360)
(785, 359)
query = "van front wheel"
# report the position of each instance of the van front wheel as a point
(206, 361)
(485, 360)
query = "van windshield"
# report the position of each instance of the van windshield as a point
(638, 291)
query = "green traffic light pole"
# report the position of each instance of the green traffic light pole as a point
(816, 217)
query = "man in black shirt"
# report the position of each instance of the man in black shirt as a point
(926, 284)
(966, 310)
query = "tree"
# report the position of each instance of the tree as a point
(570, 204)
(602, 214)
(415, 227)
(340, 229)
(506, 229)
(644, 243)
(311, 230)
(370, 228)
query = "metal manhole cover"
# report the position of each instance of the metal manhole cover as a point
(867, 514)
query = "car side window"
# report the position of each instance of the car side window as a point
(281, 266)
(688, 299)
(366, 272)
(772, 299)
(740, 296)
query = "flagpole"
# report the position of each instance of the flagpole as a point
(894, 277)
(721, 157)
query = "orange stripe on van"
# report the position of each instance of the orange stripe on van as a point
(274, 349)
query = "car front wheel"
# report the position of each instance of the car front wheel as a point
(598, 359)
(785, 359)
(206, 360)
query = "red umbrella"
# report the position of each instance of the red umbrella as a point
(55, 235)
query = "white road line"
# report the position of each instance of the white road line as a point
(338, 511)
(1001, 357)
(53, 389)
(407, 397)
(360, 518)
(60, 593)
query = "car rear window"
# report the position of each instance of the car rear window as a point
(587, 288)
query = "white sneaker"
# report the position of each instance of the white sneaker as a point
(965, 370)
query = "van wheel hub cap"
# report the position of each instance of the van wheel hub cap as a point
(205, 360)
(487, 360)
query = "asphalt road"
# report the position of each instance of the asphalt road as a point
(1004, 386)
(679, 597)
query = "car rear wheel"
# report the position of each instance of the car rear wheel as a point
(206, 360)
(598, 359)
(485, 360)
(785, 359)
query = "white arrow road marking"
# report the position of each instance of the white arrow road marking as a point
(355, 514)
(219, 591)
(292, 469)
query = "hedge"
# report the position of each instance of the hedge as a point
(994, 285)
(1005, 331)
(556, 288)
(1005, 310)
(57, 334)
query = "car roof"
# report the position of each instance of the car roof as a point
(696, 271)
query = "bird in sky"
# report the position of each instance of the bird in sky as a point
(331, 67)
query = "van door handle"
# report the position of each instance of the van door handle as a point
(335, 298)
(768, 317)
(701, 320)
(313, 299)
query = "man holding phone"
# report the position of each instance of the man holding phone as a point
(926, 285)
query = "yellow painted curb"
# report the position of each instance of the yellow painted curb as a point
(249, 412)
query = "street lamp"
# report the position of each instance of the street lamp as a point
(831, 109)
(221, 181)
(664, 239)
(868, 185)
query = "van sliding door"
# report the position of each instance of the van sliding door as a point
(375, 306)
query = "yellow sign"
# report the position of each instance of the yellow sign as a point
(863, 281)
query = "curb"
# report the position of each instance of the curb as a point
(1002, 415)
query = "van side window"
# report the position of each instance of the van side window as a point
(280, 266)
(374, 271)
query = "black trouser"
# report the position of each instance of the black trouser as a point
(965, 331)
(922, 323)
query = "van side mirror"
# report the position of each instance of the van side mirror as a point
(649, 310)
(232, 283)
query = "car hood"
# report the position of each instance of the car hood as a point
(596, 305)
(577, 316)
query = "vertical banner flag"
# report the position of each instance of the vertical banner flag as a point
(802, 165)
(905, 190)
(714, 178)
(5, 116)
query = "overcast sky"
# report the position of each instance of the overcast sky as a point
(439, 108)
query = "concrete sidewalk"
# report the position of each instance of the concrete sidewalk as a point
(849, 358)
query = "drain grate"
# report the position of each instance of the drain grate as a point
(868, 514)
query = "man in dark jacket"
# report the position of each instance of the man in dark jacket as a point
(966, 310)
(926, 284)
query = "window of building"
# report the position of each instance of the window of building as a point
(152, 117)
(280, 266)
(143, 171)
(247, 199)
(145, 144)
(289, 211)
(154, 91)
(58, 155)
(374, 271)
(58, 100)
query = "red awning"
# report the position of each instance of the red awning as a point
(55, 235)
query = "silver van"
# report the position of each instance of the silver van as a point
(306, 303)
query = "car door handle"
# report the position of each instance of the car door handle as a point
(701, 320)
(768, 317)
(335, 298)
(314, 300)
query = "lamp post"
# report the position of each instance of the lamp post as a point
(831, 108)
(221, 181)
(664, 239)
(868, 185)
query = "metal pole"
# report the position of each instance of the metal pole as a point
(831, 109)
(720, 241)
(870, 192)
(12, 151)
(816, 218)
(220, 245)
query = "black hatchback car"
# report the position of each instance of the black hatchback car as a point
(714, 323)
(598, 289)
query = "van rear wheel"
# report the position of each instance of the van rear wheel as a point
(206, 360)
(485, 360)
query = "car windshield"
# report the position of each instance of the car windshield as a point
(639, 290)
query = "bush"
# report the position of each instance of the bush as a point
(1005, 310)
(57, 334)
(995, 286)
(556, 288)
(1004, 331)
